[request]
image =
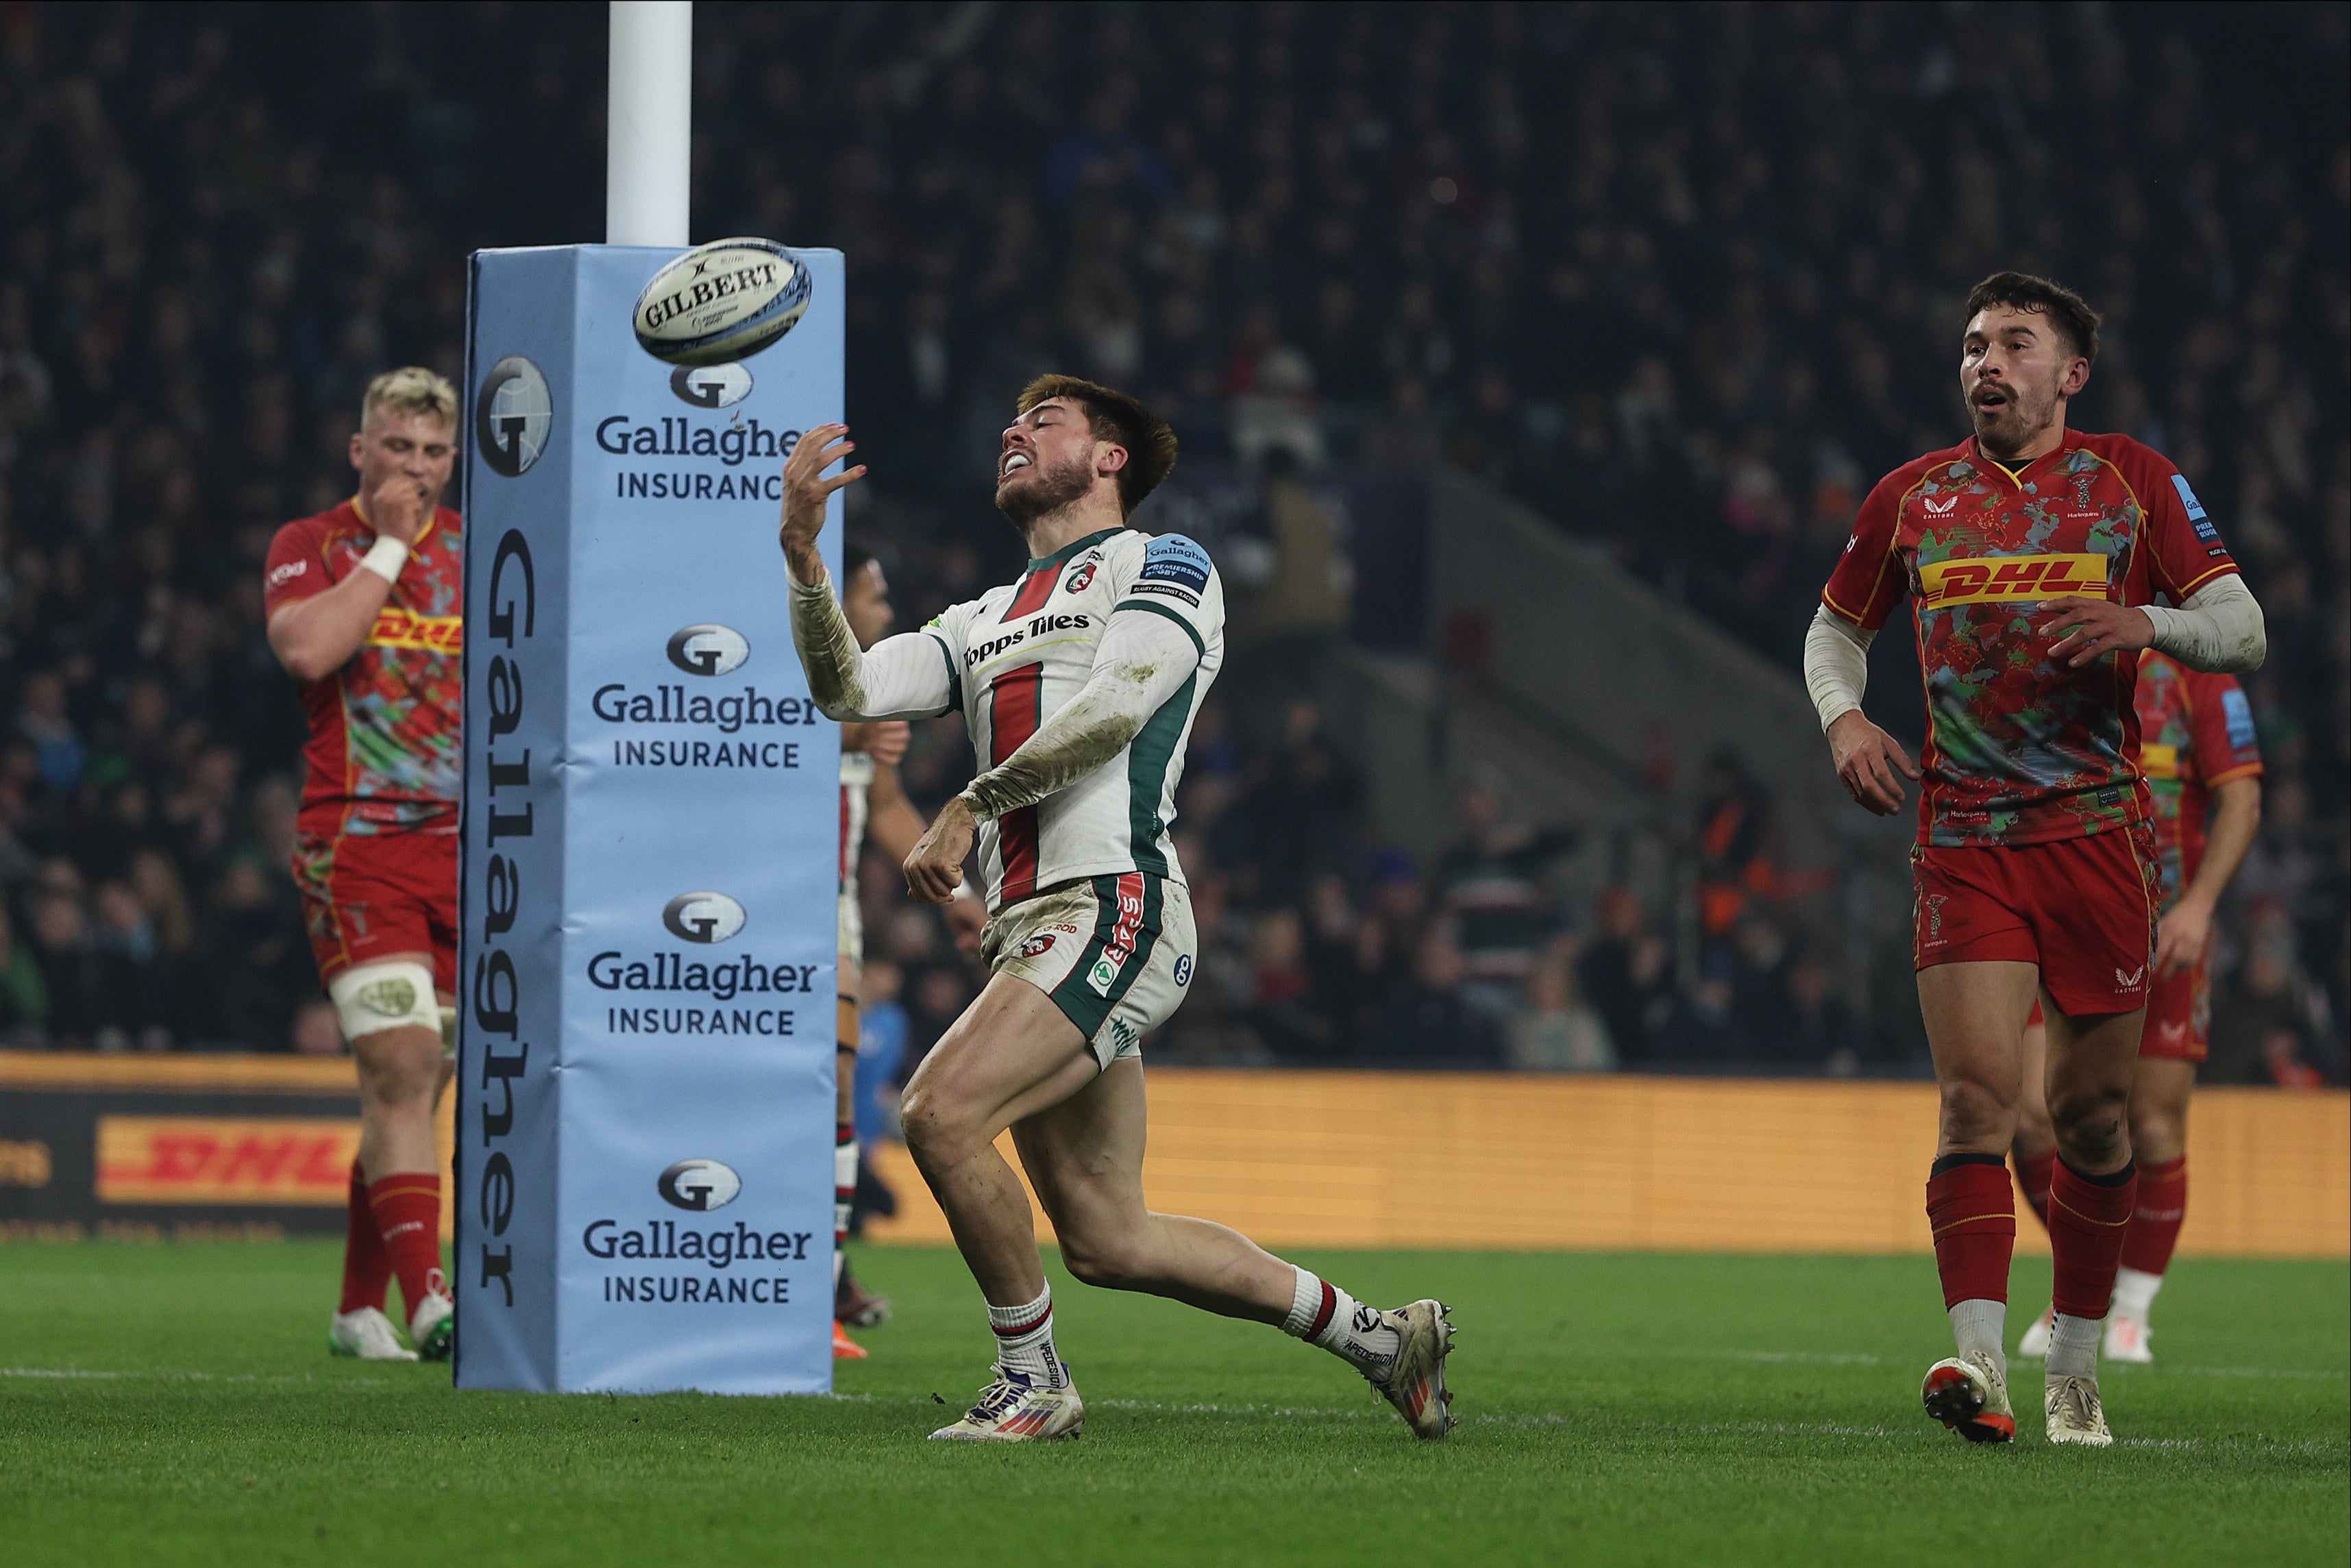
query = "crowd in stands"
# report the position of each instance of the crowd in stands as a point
(1681, 279)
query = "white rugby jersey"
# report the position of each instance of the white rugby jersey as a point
(1017, 653)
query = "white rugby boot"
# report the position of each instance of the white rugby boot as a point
(366, 1334)
(1416, 1383)
(1014, 1409)
(433, 1326)
(2034, 1345)
(2127, 1340)
(2074, 1414)
(1969, 1394)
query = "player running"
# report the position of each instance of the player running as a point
(1079, 684)
(2202, 762)
(871, 801)
(364, 606)
(2032, 555)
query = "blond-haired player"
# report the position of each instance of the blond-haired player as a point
(364, 602)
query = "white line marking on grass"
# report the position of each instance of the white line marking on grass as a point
(77, 1372)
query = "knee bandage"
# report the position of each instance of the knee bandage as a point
(370, 998)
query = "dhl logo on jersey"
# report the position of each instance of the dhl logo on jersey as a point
(2011, 577)
(397, 627)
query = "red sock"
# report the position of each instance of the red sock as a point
(1972, 1211)
(367, 1272)
(408, 1215)
(2154, 1228)
(2086, 1216)
(2032, 1176)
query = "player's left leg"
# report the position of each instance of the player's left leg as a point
(2096, 917)
(1085, 1157)
(845, 1291)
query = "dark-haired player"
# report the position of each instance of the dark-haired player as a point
(2032, 555)
(1078, 683)
(2202, 761)
(364, 605)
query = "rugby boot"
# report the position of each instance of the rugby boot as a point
(1969, 1394)
(2074, 1414)
(844, 1348)
(433, 1327)
(1014, 1409)
(1416, 1383)
(366, 1334)
(2127, 1340)
(2034, 1345)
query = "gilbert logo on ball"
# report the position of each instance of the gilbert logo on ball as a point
(702, 917)
(722, 302)
(699, 1185)
(513, 413)
(708, 648)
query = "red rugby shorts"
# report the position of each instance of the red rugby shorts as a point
(2180, 1015)
(2080, 908)
(368, 896)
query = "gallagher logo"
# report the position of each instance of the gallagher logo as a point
(710, 385)
(699, 1185)
(513, 413)
(708, 648)
(703, 918)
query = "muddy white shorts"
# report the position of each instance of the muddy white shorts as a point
(1115, 953)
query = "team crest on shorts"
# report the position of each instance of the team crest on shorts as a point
(1036, 947)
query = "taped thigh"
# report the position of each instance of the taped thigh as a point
(370, 998)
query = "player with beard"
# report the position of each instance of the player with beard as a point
(1079, 684)
(2033, 557)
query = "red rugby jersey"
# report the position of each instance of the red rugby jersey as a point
(2021, 750)
(2196, 731)
(384, 753)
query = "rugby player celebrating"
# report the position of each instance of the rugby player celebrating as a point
(365, 605)
(2202, 761)
(2032, 555)
(1079, 684)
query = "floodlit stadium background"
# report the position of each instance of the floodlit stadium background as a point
(1524, 423)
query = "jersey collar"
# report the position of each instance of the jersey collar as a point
(1073, 547)
(1987, 463)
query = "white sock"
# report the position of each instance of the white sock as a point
(1359, 1335)
(2074, 1346)
(844, 1188)
(1982, 1326)
(1024, 1340)
(2135, 1292)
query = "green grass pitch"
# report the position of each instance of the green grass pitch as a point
(176, 1404)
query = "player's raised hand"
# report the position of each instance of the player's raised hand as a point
(935, 868)
(805, 491)
(1868, 763)
(2094, 627)
(399, 507)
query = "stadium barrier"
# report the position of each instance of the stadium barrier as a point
(205, 1145)
(1459, 1160)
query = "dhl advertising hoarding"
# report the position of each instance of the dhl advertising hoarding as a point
(652, 811)
(157, 1146)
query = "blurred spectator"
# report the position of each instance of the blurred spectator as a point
(1626, 974)
(1554, 1031)
(1428, 1024)
(81, 1004)
(1490, 886)
(23, 994)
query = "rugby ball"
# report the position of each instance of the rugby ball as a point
(722, 302)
